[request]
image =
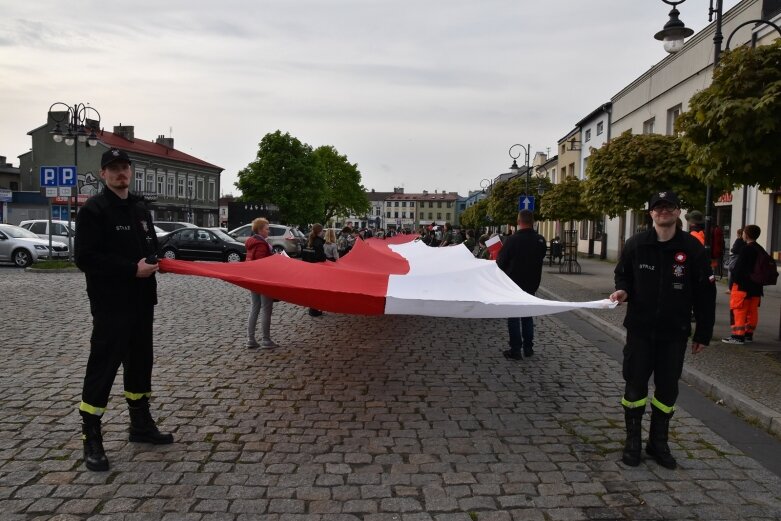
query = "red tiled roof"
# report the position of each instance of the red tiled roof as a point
(150, 148)
(441, 196)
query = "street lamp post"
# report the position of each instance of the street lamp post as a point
(514, 168)
(486, 185)
(74, 128)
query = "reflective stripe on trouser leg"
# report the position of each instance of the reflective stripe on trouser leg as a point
(667, 409)
(91, 409)
(137, 396)
(634, 405)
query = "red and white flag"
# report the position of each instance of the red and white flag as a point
(494, 244)
(397, 276)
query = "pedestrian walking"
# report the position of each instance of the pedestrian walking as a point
(258, 247)
(663, 274)
(115, 248)
(521, 258)
(316, 253)
(330, 248)
(745, 293)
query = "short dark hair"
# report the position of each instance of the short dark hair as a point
(753, 231)
(526, 217)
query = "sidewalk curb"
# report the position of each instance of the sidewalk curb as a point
(735, 401)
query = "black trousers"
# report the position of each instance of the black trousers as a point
(660, 355)
(120, 337)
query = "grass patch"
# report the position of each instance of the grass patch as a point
(53, 265)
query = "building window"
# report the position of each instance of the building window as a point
(439, 216)
(431, 204)
(412, 204)
(439, 204)
(200, 189)
(388, 203)
(563, 172)
(600, 128)
(588, 135)
(403, 215)
(387, 214)
(212, 190)
(395, 215)
(430, 216)
(422, 215)
(583, 230)
(180, 188)
(450, 204)
(648, 126)
(161, 184)
(190, 188)
(171, 183)
(150, 182)
(672, 117)
(404, 204)
(396, 204)
(139, 181)
(447, 217)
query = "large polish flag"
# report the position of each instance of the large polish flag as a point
(398, 276)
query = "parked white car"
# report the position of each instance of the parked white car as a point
(60, 230)
(23, 247)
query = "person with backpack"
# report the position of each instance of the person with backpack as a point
(753, 269)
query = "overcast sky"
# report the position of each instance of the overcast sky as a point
(425, 95)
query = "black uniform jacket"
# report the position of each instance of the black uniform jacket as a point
(521, 258)
(112, 235)
(664, 281)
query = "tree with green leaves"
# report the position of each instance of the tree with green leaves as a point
(732, 129)
(476, 216)
(285, 173)
(564, 202)
(624, 173)
(503, 202)
(344, 193)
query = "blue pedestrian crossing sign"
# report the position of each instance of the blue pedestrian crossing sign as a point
(526, 202)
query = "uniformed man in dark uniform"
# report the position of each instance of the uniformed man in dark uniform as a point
(115, 248)
(663, 273)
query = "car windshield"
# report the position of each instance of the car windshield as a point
(222, 235)
(18, 233)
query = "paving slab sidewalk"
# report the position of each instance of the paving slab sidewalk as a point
(746, 379)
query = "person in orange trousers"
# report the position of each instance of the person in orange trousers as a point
(745, 295)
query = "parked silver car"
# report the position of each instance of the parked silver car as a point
(60, 230)
(23, 247)
(281, 237)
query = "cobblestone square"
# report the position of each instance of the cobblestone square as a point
(395, 417)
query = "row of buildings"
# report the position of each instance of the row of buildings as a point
(651, 104)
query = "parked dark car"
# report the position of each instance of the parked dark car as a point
(201, 244)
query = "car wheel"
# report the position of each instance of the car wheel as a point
(278, 249)
(22, 258)
(233, 256)
(169, 253)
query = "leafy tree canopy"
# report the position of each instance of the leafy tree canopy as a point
(503, 203)
(732, 130)
(476, 216)
(344, 194)
(624, 173)
(564, 202)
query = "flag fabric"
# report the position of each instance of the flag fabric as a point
(396, 276)
(494, 244)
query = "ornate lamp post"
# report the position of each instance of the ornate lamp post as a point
(74, 127)
(486, 185)
(514, 168)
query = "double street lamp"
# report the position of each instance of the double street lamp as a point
(514, 168)
(73, 126)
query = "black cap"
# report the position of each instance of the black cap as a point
(113, 154)
(664, 197)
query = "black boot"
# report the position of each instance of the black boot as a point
(657, 440)
(633, 446)
(94, 455)
(142, 427)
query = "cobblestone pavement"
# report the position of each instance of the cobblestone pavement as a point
(397, 418)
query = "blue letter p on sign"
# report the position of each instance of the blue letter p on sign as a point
(67, 176)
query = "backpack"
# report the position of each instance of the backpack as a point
(765, 271)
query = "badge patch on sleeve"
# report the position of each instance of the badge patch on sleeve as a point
(678, 270)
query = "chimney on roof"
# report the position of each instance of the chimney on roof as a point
(125, 131)
(165, 141)
(398, 189)
(425, 192)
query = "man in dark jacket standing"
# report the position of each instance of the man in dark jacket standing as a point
(745, 294)
(663, 273)
(521, 258)
(115, 249)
